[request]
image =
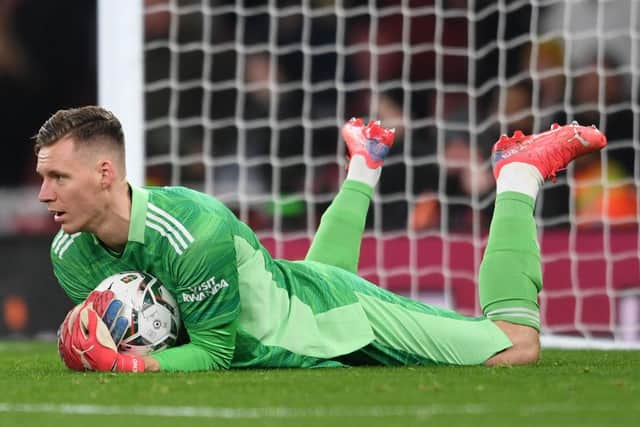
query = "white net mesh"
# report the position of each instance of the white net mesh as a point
(244, 101)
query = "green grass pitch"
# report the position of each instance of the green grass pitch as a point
(567, 388)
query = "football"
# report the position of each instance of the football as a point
(154, 318)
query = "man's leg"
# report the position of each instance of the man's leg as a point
(510, 274)
(410, 332)
(337, 240)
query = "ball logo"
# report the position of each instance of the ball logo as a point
(128, 278)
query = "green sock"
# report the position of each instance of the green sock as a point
(337, 240)
(511, 273)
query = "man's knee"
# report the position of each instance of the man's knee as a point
(525, 349)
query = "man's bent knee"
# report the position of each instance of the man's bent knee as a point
(525, 349)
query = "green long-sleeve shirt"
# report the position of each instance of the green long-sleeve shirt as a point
(240, 307)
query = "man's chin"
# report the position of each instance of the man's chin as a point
(69, 228)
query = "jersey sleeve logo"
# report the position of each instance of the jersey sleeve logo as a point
(169, 227)
(62, 242)
(205, 289)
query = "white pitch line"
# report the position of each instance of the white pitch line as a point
(16, 346)
(288, 412)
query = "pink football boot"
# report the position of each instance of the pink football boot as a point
(549, 151)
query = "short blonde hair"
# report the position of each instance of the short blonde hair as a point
(86, 125)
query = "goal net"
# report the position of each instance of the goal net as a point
(244, 100)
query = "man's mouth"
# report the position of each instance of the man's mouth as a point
(58, 215)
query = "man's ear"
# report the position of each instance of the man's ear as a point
(107, 173)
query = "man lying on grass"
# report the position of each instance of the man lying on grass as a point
(277, 313)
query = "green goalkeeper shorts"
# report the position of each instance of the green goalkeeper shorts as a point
(409, 332)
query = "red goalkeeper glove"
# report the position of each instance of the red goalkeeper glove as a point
(95, 348)
(99, 301)
(68, 356)
(108, 308)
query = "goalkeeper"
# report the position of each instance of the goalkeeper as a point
(240, 307)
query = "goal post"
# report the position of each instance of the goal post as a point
(121, 74)
(244, 100)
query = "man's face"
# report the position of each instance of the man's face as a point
(71, 185)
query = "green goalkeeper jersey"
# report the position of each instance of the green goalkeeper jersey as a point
(240, 307)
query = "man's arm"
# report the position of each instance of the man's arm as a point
(206, 289)
(207, 351)
(209, 310)
(151, 364)
(204, 281)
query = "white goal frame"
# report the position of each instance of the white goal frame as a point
(121, 74)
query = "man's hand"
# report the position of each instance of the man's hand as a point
(68, 356)
(94, 347)
(110, 311)
(99, 301)
(108, 308)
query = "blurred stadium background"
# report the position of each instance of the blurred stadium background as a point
(244, 100)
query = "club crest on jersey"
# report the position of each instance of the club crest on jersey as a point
(205, 289)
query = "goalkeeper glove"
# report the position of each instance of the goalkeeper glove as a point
(68, 356)
(104, 304)
(95, 348)
(109, 308)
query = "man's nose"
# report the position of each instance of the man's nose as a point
(46, 193)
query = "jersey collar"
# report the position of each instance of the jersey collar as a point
(139, 200)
